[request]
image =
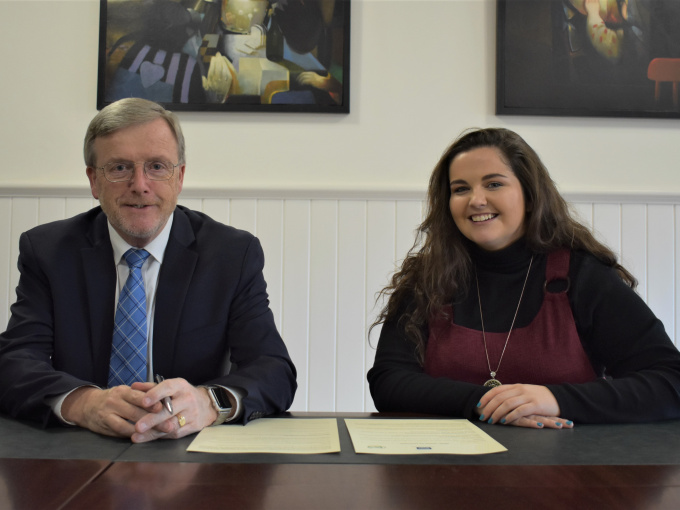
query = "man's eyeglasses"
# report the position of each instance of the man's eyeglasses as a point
(123, 171)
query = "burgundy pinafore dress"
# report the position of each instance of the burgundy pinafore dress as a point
(547, 351)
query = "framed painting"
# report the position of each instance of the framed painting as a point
(604, 58)
(226, 55)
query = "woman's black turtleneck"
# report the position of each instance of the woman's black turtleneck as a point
(618, 331)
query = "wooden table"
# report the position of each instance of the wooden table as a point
(598, 467)
(380, 486)
(45, 483)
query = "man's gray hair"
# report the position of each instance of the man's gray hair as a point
(128, 112)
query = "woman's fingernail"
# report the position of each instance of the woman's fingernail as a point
(502, 420)
(481, 418)
(558, 424)
(479, 404)
(570, 423)
(490, 420)
(539, 424)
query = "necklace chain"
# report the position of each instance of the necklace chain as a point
(493, 381)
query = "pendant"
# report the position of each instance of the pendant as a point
(493, 382)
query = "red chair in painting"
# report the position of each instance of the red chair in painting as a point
(665, 69)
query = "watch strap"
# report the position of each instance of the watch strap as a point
(222, 412)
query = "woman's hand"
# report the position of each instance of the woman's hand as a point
(522, 405)
(541, 422)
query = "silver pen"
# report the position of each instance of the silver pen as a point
(166, 400)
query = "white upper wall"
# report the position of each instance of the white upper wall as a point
(421, 72)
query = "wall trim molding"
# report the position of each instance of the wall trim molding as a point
(332, 194)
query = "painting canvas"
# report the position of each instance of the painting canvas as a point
(226, 55)
(588, 57)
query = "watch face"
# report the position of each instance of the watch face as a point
(221, 398)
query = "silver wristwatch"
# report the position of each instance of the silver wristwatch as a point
(220, 402)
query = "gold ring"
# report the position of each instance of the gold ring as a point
(182, 420)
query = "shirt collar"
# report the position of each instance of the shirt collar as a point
(156, 248)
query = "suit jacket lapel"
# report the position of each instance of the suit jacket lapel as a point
(100, 282)
(179, 262)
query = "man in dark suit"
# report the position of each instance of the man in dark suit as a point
(205, 296)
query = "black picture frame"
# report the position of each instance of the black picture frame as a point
(227, 55)
(551, 61)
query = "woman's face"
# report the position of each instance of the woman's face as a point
(487, 201)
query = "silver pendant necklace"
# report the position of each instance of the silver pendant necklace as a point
(493, 382)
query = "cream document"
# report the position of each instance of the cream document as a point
(271, 435)
(417, 437)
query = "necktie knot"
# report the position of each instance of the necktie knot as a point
(135, 258)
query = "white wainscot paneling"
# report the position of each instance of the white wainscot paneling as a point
(380, 246)
(192, 203)
(77, 205)
(24, 215)
(7, 263)
(50, 209)
(243, 214)
(607, 225)
(584, 212)
(327, 258)
(635, 244)
(323, 305)
(350, 354)
(676, 278)
(661, 259)
(295, 303)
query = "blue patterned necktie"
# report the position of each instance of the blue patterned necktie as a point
(128, 352)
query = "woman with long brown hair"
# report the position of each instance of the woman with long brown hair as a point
(508, 309)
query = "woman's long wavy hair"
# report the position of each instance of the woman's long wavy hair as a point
(438, 266)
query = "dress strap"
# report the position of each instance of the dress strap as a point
(557, 269)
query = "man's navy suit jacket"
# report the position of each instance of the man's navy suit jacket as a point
(211, 304)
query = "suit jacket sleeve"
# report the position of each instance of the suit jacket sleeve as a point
(211, 307)
(48, 349)
(260, 364)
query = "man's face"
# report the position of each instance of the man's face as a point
(140, 208)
